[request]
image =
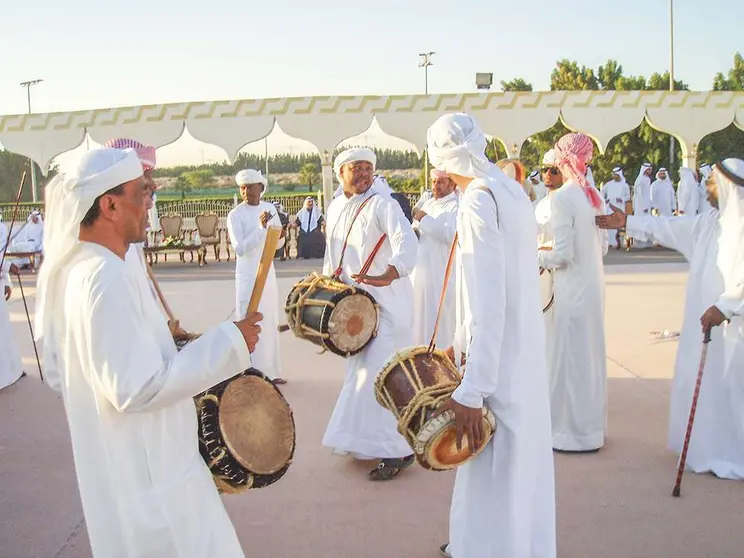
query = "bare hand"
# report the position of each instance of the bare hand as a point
(250, 329)
(711, 318)
(14, 269)
(418, 215)
(8, 292)
(265, 218)
(467, 423)
(616, 220)
(450, 352)
(390, 275)
(178, 333)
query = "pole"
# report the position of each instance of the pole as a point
(671, 75)
(425, 62)
(34, 188)
(266, 156)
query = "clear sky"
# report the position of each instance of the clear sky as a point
(95, 54)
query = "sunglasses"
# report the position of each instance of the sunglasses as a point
(552, 170)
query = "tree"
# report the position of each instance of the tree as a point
(12, 166)
(735, 80)
(517, 84)
(568, 76)
(196, 180)
(309, 175)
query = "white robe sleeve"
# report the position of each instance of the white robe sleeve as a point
(676, 233)
(131, 372)
(402, 239)
(441, 228)
(245, 238)
(561, 219)
(479, 234)
(672, 198)
(731, 302)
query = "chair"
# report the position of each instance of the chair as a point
(171, 225)
(206, 224)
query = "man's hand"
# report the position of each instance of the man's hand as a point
(616, 220)
(14, 269)
(711, 318)
(265, 218)
(250, 329)
(418, 215)
(178, 333)
(467, 423)
(8, 292)
(390, 275)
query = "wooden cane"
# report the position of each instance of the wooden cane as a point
(683, 456)
(264, 266)
(13, 219)
(30, 328)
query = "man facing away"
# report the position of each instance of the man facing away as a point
(435, 223)
(127, 391)
(576, 343)
(712, 243)
(503, 505)
(247, 225)
(359, 425)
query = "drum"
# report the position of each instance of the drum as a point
(546, 289)
(412, 385)
(246, 431)
(338, 317)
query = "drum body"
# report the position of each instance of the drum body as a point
(412, 386)
(338, 317)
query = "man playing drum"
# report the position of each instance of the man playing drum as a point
(503, 502)
(359, 425)
(127, 391)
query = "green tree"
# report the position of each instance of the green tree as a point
(517, 84)
(12, 167)
(568, 76)
(309, 175)
(735, 79)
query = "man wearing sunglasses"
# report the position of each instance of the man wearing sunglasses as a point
(552, 179)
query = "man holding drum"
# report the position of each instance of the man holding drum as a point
(364, 226)
(503, 502)
(128, 392)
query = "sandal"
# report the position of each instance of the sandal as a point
(443, 550)
(389, 468)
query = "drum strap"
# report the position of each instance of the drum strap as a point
(447, 273)
(372, 254)
(339, 269)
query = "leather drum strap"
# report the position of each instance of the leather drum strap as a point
(372, 254)
(447, 273)
(339, 269)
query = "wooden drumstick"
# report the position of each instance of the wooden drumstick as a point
(264, 266)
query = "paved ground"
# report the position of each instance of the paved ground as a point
(615, 504)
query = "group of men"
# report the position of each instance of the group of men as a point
(128, 392)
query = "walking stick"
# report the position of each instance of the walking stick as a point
(683, 456)
(31, 329)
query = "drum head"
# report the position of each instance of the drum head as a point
(352, 323)
(256, 424)
(436, 445)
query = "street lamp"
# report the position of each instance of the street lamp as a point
(425, 62)
(28, 85)
(671, 74)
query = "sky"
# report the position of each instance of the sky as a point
(93, 54)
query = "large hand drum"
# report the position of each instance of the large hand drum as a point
(412, 386)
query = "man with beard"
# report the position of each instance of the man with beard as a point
(616, 193)
(552, 179)
(663, 199)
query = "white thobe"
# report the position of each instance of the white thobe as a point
(616, 194)
(33, 233)
(703, 203)
(688, 196)
(717, 441)
(641, 204)
(503, 503)
(11, 366)
(540, 191)
(542, 217)
(425, 196)
(136, 262)
(248, 237)
(359, 424)
(663, 198)
(128, 394)
(576, 341)
(152, 215)
(436, 231)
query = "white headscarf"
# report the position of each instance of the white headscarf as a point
(31, 215)
(705, 171)
(534, 174)
(641, 172)
(381, 186)
(687, 175)
(308, 218)
(662, 169)
(456, 145)
(730, 181)
(252, 176)
(618, 171)
(590, 177)
(68, 198)
(352, 155)
(549, 158)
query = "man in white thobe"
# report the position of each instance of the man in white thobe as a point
(703, 203)
(616, 193)
(538, 186)
(688, 192)
(642, 199)
(663, 199)
(435, 225)
(359, 425)
(11, 367)
(576, 341)
(503, 503)
(711, 242)
(127, 391)
(553, 179)
(247, 226)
